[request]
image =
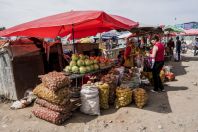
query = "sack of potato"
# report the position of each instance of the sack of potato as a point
(49, 115)
(66, 108)
(123, 97)
(59, 97)
(112, 81)
(103, 94)
(55, 80)
(140, 97)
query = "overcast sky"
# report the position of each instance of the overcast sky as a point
(153, 12)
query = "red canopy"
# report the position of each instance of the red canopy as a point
(83, 23)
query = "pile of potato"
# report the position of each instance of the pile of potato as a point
(140, 97)
(103, 94)
(123, 97)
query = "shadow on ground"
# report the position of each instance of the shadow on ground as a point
(79, 117)
(159, 102)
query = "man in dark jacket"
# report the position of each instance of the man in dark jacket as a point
(178, 48)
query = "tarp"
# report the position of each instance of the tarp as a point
(81, 23)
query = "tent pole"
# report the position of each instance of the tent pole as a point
(74, 47)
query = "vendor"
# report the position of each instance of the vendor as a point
(129, 53)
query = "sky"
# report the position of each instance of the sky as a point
(151, 12)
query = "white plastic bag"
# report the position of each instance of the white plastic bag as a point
(90, 100)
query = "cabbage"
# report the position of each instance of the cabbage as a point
(75, 69)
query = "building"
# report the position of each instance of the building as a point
(189, 25)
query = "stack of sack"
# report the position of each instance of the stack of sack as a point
(53, 98)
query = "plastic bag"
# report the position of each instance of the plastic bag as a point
(90, 100)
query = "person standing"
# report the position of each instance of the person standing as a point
(129, 53)
(171, 46)
(195, 46)
(157, 56)
(178, 48)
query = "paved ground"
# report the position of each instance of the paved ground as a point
(173, 111)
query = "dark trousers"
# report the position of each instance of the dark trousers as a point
(178, 53)
(156, 75)
(195, 50)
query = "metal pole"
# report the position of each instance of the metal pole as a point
(74, 47)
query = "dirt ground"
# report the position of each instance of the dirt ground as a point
(173, 111)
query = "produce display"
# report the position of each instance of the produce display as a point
(55, 80)
(66, 108)
(82, 64)
(59, 97)
(90, 99)
(49, 115)
(112, 81)
(140, 97)
(123, 97)
(103, 94)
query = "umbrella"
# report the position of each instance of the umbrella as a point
(78, 23)
(146, 29)
(175, 29)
